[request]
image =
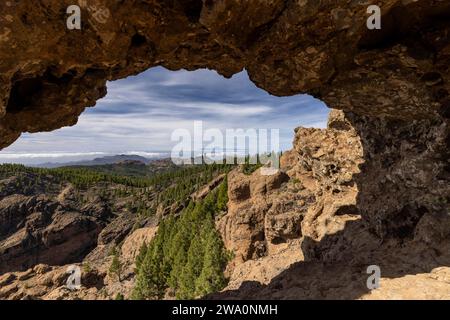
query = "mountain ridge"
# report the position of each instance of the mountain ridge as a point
(98, 161)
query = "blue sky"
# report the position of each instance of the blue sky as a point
(140, 113)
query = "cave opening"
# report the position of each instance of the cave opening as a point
(140, 113)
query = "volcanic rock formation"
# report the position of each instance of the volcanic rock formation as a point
(385, 158)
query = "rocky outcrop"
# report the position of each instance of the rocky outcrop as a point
(313, 194)
(50, 74)
(364, 209)
(374, 188)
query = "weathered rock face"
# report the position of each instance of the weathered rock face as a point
(44, 220)
(49, 74)
(402, 195)
(312, 195)
(46, 224)
(49, 282)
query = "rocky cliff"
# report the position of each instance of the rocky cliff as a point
(55, 220)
